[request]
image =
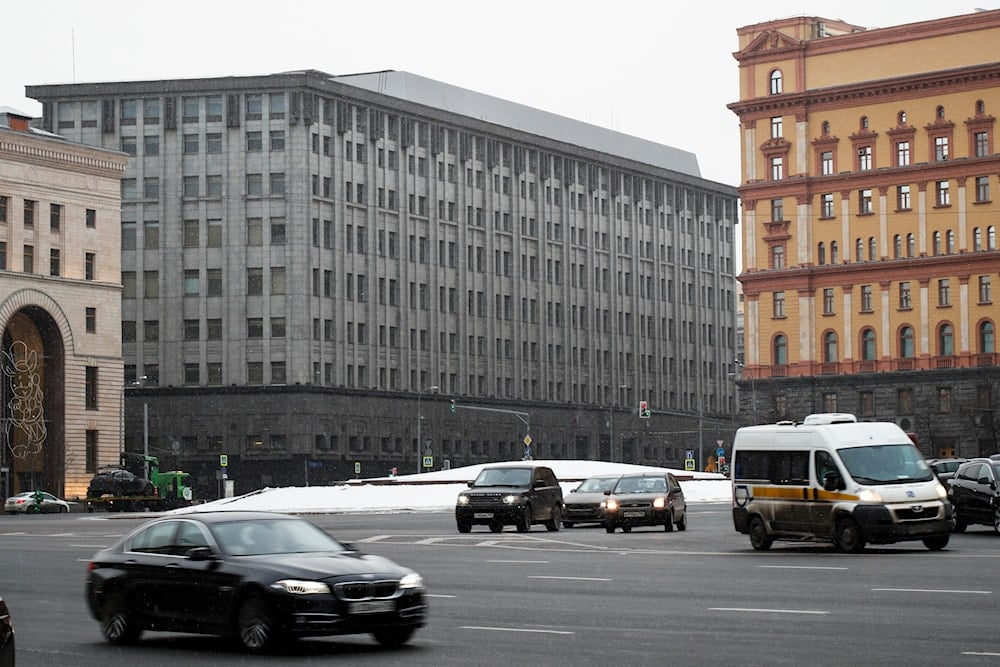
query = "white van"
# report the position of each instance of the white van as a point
(836, 479)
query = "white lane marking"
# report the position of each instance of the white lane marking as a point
(769, 611)
(13, 533)
(542, 562)
(539, 576)
(930, 590)
(88, 546)
(438, 595)
(544, 632)
(800, 567)
(980, 653)
(375, 538)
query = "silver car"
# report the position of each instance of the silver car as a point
(25, 503)
(585, 503)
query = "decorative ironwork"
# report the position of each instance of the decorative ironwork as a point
(25, 407)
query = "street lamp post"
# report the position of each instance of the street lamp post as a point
(611, 423)
(753, 391)
(420, 418)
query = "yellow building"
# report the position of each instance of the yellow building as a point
(870, 248)
(60, 309)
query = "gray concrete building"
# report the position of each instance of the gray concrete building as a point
(329, 276)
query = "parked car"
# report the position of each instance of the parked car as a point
(25, 503)
(258, 576)
(6, 636)
(118, 482)
(974, 491)
(503, 494)
(585, 503)
(646, 499)
(945, 468)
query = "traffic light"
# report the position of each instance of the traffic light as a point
(644, 411)
(451, 406)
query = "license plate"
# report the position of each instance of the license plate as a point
(483, 515)
(372, 606)
(632, 515)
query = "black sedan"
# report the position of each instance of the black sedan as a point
(259, 577)
(645, 499)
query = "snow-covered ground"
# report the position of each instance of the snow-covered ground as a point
(436, 491)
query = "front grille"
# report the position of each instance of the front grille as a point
(590, 507)
(636, 505)
(355, 591)
(486, 499)
(925, 513)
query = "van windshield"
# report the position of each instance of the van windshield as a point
(885, 464)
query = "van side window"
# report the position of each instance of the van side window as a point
(776, 467)
(824, 465)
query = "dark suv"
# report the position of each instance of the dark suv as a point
(974, 490)
(519, 494)
(118, 482)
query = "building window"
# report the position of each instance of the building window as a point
(904, 402)
(946, 338)
(906, 343)
(982, 189)
(777, 257)
(944, 399)
(151, 145)
(826, 205)
(255, 281)
(151, 331)
(28, 261)
(192, 330)
(982, 144)
(865, 202)
(777, 168)
(903, 197)
(54, 262)
(902, 153)
(29, 213)
(904, 295)
(828, 301)
(92, 449)
(830, 347)
(55, 217)
(936, 243)
(987, 343)
(192, 279)
(777, 210)
(821, 253)
(89, 265)
(192, 373)
(985, 290)
(826, 167)
(90, 318)
(780, 350)
(865, 158)
(911, 245)
(940, 149)
(866, 404)
(776, 82)
(776, 127)
(866, 299)
(868, 345)
(90, 390)
(943, 197)
(944, 292)
(255, 185)
(778, 311)
(255, 327)
(191, 233)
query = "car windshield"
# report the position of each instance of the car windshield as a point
(517, 477)
(272, 536)
(641, 485)
(885, 464)
(596, 485)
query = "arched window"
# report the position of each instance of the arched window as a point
(937, 243)
(871, 248)
(991, 237)
(830, 347)
(897, 246)
(859, 250)
(977, 238)
(946, 340)
(911, 245)
(987, 343)
(826, 127)
(868, 345)
(821, 253)
(980, 107)
(940, 113)
(776, 85)
(901, 118)
(834, 252)
(780, 350)
(950, 242)
(864, 122)
(906, 342)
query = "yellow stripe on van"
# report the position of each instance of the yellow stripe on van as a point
(798, 493)
(822, 494)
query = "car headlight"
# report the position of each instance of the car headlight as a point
(942, 492)
(612, 504)
(869, 496)
(512, 499)
(300, 587)
(660, 503)
(411, 580)
(463, 499)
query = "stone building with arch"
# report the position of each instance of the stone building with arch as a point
(60, 309)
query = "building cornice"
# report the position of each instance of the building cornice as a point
(61, 155)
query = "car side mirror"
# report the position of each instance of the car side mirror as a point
(471, 482)
(538, 483)
(200, 553)
(608, 492)
(984, 481)
(832, 481)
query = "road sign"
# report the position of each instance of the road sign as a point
(357, 467)
(720, 451)
(722, 461)
(527, 441)
(223, 460)
(689, 464)
(314, 464)
(428, 461)
(689, 454)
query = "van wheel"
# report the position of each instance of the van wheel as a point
(464, 526)
(759, 539)
(848, 537)
(609, 527)
(936, 543)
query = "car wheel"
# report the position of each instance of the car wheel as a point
(960, 524)
(464, 527)
(393, 636)
(63, 510)
(555, 521)
(996, 521)
(683, 523)
(568, 524)
(669, 525)
(626, 528)
(255, 625)
(609, 527)
(117, 624)
(848, 537)
(759, 539)
(496, 527)
(936, 543)
(524, 524)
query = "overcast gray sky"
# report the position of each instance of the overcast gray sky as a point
(659, 70)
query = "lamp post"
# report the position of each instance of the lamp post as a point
(611, 423)
(420, 418)
(753, 391)
(121, 414)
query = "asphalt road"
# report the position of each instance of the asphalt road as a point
(577, 596)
